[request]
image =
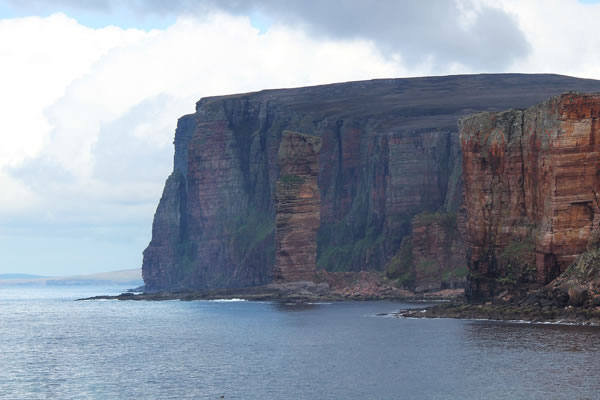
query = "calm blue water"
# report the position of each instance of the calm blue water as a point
(54, 348)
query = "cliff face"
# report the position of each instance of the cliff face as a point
(298, 204)
(389, 151)
(531, 190)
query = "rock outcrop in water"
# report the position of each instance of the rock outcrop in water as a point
(532, 184)
(389, 151)
(297, 208)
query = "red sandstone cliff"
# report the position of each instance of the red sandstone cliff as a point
(532, 183)
(389, 151)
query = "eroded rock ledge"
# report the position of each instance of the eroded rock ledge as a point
(494, 312)
(572, 298)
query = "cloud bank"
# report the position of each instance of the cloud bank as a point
(89, 114)
(434, 32)
(92, 112)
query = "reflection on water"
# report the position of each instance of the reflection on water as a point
(545, 361)
(534, 337)
(291, 307)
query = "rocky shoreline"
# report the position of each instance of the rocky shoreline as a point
(297, 292)
(567, 300)
(530, 309)
(504, 312)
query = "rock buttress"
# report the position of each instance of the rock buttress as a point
(298, 204)
(433, 256)
(531, 180)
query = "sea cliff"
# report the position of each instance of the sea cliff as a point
(532, 185)
(389, 152)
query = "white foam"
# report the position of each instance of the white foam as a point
(227, 300)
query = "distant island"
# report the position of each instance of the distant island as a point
(128, 277)
(21, 276)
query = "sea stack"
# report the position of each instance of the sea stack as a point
(298, 206)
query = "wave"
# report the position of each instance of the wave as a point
(227, 300)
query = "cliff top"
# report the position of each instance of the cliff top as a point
(420, 103)
(566, 98)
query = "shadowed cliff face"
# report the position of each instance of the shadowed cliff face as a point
(389, 151)
(532, 184)
(433, 256)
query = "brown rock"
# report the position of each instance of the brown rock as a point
(298, 204)
(577, 296)
(531, 189)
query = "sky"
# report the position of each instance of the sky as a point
(90, 92)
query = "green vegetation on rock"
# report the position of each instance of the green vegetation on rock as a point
(252, 230)
(405, 269)
(339, 258)
(291, 180)
(446, 220)
(429, 268)
(458, 273)
(586, 268)
(354, 243)
(186, 255)
(401, 268)
(518, 261)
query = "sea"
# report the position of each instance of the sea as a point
(53, 347)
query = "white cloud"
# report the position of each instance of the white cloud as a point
(15, 197)
(89, 114)
(192, 58)
(562, 34)
(92, 112)
(40, 57)
(65, 82)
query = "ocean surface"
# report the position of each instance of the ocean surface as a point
(52, 347)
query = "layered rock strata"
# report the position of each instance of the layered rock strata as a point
(389, 151)
(298, 205)
(531, 190)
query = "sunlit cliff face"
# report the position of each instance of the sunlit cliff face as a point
(531, 185)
